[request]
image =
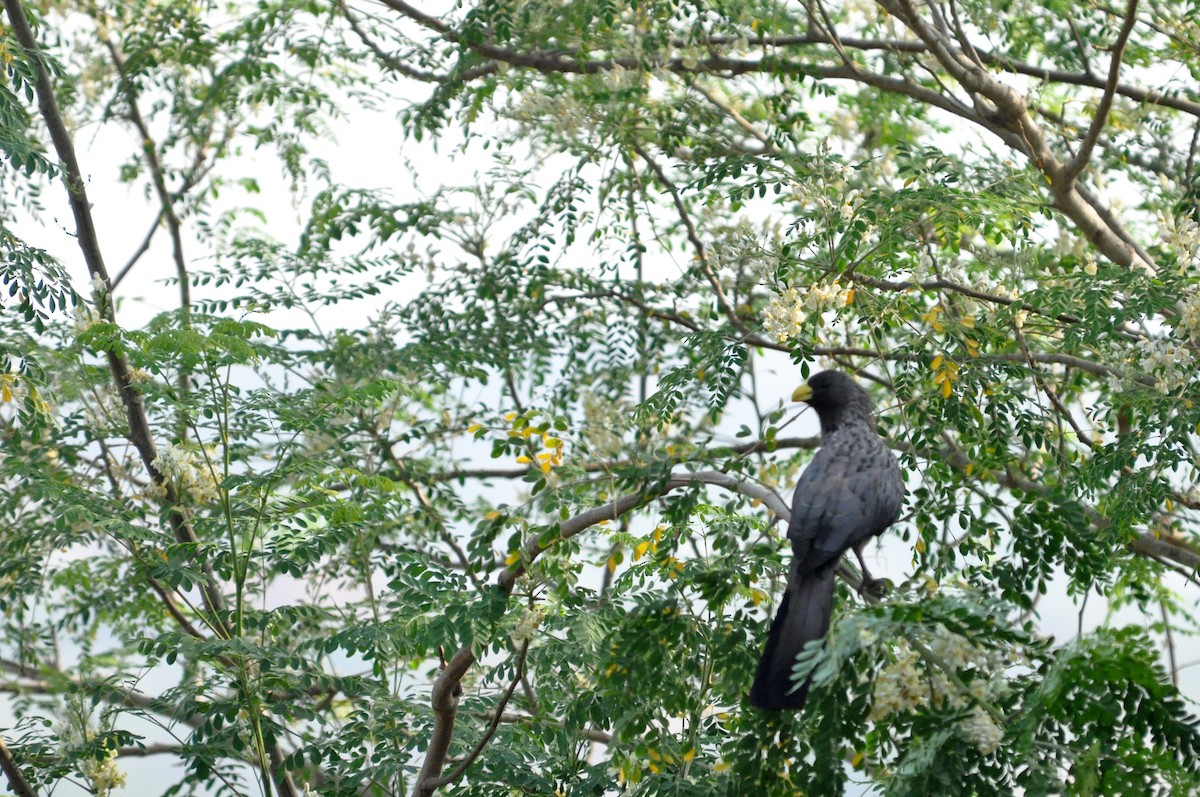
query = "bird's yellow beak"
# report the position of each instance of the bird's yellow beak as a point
(802, 393)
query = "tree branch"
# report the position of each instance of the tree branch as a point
(694, 237)
(1081, 159)
(497, 715)
(1028, 137)
(16, 780)
(591, 734)
(444, 697)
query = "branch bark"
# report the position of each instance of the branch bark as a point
(139, 431)
(1081, 159)
(1026, 136)
(16, 780)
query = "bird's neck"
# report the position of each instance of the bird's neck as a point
(843, 420)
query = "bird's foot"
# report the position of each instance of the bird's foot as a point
(874, 587)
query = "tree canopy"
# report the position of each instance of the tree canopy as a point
(477, 488)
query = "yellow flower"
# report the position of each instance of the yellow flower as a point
(931, 318)
(945, 374)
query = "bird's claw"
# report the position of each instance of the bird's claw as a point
(874, 587)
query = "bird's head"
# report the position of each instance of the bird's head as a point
(836, 398)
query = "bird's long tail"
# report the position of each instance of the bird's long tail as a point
(803, 616)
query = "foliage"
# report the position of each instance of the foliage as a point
(478, 490)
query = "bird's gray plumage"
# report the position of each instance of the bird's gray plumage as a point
(850, 492)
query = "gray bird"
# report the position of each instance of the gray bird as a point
(850, 492)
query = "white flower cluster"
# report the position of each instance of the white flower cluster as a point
(605, 423)
(85, 317)
(569, 116)
(785, 316)
(190, 474)
(832, 196)
(1181, 234)
(99, 288)
(1189, 317)
(527, 623)
(742, 251)
(103, 774)
(981, 730)
(1168, 360)
(899, 686)
(909, 682)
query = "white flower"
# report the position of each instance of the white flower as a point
(784, 316)
(1171, 362)
(85, 317)
(981, 730)
(528, 622)
(1189, 318)
(615, 78)
(190, 473)
(1089, 265)
(99, 286)
(103, 774)
(899, 686)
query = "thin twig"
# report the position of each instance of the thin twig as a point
(694, 237)
(591, 734)
(1170, 638)
(1081, 159)
(137, 255)
(742, 122)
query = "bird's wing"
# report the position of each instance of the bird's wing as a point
(846, 495)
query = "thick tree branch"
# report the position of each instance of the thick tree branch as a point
(1013, 115)
(444, 697)
(139, 431)
(1012, 124)
(138, 424)
(496, 717)
(16, 780)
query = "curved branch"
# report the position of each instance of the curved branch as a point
(694, 237)
(497, 716)
(444, 697)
